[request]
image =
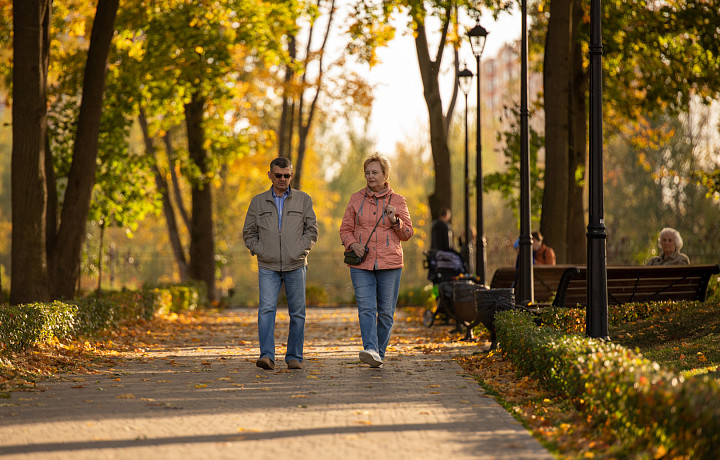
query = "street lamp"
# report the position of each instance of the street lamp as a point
(478, 35)
(596, 319)
(465, 80)
(524, 289)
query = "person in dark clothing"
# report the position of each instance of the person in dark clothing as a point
(441, 235)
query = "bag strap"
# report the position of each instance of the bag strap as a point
(376, 223)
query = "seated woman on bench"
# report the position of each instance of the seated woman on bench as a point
(670, 242)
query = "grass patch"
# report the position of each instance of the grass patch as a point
(686, 341)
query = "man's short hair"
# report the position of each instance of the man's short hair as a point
(444, 212)
(281, 162)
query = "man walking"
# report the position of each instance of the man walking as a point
(281, 228)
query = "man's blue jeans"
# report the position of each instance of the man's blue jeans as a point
(270, 282)
(376, 293)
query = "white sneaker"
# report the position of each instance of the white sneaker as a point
(371, 357)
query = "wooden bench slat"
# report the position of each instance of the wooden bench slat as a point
(641, 284)
(566, 285)
(546, 279)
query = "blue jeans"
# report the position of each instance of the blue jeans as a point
(376, 293)
(270, 282)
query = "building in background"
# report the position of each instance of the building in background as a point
(500, 83)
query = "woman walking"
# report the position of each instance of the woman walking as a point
(376, 220)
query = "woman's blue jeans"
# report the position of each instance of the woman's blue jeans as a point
(270, 282)
(376, 293)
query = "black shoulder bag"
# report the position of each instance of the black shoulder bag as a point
(353, 259)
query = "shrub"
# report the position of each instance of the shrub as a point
(176, 298)
(94, 314)
(26, 325)
(132, 304)
(416, 296)
(23, 326)
(616, 386)
(713, 291)
(315, 295)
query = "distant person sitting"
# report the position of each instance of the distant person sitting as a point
(542, 253)
(441, 234)
(670, 242)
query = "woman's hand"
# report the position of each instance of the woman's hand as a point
(358, 249)
(390, 211)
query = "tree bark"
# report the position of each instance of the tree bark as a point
(442, 194)
(202, 246)
(168, 211)
(98, 290)
(286, 127)
(179, 202)
(52, 209)
(65, 259)
(29, 278)
(578, 158)
(556, 76)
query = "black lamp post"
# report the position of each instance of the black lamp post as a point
(524, 289)
(596, 319)
(478, 35)
(465, 80)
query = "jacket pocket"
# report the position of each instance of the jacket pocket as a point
(266, 221)
(268, 248)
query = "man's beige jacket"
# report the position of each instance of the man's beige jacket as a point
(280, 249)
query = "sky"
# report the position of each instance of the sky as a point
(399, 111)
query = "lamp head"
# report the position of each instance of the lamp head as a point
(465, 77)
(477, 35)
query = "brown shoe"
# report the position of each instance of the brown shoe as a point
(265, 363)
(294, 364)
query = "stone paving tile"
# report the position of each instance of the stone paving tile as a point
(210, 401)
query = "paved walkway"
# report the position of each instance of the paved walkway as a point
(201, 396)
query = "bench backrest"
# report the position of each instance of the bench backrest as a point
(639, 284)
(546, 279)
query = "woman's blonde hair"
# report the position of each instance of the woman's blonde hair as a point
(384, 163)
(674, 233)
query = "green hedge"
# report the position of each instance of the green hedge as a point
(27, 325)
(177, 298)
(22, 326)
(617, 387)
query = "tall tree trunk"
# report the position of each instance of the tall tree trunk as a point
(286, 127)
(51, 210)
(98, 290)
(442, 194)
(304, 123)
(177, 195)
(577, 172)
(29, 278)
(65, 259)
(557, 75)
(168, 211)
(202, 246)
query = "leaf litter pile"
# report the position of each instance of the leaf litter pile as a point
(551, 419)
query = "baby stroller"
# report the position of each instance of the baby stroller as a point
(448, 273)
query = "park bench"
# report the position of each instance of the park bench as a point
(638, 284)
(546, 279)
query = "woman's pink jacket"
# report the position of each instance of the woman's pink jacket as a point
(361, 214)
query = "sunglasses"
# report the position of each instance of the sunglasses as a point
(286, 176)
